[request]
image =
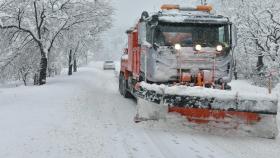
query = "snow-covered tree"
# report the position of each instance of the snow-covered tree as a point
(44, 21)
(258, 30)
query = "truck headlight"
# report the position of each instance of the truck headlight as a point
(198, 47)
(219, 48)
(177, 46)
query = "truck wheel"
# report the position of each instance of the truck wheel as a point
(121, 83)
(124, 87)
(141, 77)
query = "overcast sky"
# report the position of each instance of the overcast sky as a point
(128, 11)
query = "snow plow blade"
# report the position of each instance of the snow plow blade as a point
(251, 112)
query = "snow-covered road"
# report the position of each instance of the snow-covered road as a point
(84, 116)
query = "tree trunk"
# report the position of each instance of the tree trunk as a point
(24, 79)
(43, 70)
(43, 66)
(36, 79)
(235, 69)
(260, 63)
(75, 63)
(49, 71)
(70, 64)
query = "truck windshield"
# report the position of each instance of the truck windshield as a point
(189, 35)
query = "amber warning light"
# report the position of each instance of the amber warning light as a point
(169, 7)
(206, 8)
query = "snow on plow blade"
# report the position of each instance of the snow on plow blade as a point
(251, 112)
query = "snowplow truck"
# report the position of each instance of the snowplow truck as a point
(180, 60)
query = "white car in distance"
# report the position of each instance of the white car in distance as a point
(109, 65)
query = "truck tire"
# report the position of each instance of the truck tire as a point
(123, 86)
(126, 93)
(120, 83)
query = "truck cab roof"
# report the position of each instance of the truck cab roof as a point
(177, 16)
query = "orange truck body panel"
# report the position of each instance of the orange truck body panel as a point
(202, 116)
(133, 61)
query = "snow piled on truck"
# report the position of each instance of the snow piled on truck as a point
(257, 93)
(246, 99)
(176, 16)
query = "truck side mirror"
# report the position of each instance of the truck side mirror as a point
(142, 37)
(125, 51)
